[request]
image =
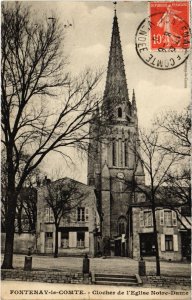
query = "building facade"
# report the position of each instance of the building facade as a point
(78, 228)
(141, 234)
(111, 161)
(113, 167)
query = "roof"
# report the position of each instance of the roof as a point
(116, 85)
(67, 180)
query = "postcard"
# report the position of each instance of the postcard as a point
(96, 125)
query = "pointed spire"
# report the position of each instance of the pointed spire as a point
(116, 85)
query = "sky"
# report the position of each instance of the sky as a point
(87, 45)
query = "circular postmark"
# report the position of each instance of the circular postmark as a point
(162, 51)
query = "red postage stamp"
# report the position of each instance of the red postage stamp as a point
(170, 28)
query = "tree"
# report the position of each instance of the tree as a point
(156, 163)
(176, 130)
(43, 108)
(63, 196)
(26, 202)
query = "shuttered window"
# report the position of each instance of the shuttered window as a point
(168, 218)
(49, 216)
(174, 218)
(86, 214)
(168, 242)
(148, 218)
(80, 239)
(81, 214)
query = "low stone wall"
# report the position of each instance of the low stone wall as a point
(161, 281)
(41, 276)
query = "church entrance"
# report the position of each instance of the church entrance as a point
(118, 247)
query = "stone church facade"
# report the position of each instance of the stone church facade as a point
(112, 166)
(111, 162)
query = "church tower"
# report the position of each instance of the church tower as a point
(113, 138)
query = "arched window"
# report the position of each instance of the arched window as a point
(119, 112)
(114, 153)
(122, 224)
(126, 153)
(120, 154)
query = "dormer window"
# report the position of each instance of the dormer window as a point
(119, 112)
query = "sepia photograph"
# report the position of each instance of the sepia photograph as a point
(95, 150)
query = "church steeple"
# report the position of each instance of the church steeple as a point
(116, 91)
(134, 106)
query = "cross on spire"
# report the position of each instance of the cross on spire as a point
(115, 3)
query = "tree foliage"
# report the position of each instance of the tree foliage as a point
(156, 163)
(43, 108)
(63, 196)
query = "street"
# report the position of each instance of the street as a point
(121, 265)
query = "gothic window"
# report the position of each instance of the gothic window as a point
(114, 153)
(122, 224)
(120, 154)
(119, 112)
(126, 153)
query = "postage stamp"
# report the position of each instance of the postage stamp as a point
(171, 25)
(162, 39)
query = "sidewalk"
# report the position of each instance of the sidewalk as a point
(118, 265)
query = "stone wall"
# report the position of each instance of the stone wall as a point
(165, 281)
(42, 276)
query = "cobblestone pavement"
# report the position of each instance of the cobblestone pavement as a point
(109, 265)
